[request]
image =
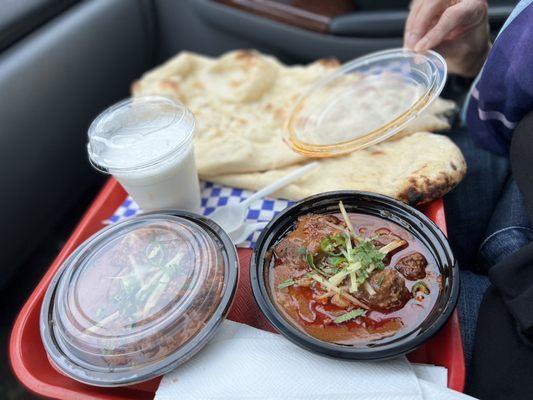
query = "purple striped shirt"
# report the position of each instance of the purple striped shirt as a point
(503, 92)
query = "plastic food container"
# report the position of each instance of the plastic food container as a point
(138, 298)
(365, 102)
(385, 208)
(146, 143)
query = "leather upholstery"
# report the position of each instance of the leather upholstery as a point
(52, 84)
(18, 18)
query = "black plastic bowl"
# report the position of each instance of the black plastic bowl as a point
(385, 208)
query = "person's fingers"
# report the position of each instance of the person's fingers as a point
(453, 18)
(409, 40)
(414, 8)
(410, 37)
(421, 18)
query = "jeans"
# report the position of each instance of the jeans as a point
(509, 228)
(486, 221)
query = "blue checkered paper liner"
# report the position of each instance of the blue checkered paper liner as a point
(214, 196)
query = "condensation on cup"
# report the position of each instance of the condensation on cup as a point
(146, 143)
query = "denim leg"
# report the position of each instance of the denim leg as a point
(473, 287)
(470, 205)
(509, 228)
(469, 209)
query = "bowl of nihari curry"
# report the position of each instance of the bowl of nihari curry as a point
(354, 275)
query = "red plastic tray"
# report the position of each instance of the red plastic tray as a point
(31, 365)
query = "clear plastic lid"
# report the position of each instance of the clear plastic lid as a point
(137, 299)
(365, 102)
(139, 132)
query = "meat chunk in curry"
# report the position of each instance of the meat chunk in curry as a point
(390, 292)
(310, 230)
(412, 266)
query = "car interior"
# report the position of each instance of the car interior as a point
(63, 61)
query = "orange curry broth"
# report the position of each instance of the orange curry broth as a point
(299, 304)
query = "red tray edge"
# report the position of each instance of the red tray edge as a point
(15, 341)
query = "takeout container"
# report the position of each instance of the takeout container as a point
(178, 274)
(146, 143)
(366, 101)
(376, 205)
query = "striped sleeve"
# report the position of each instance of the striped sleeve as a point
(503, 93)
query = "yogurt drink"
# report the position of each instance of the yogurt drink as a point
(146, 143)
(172, 183)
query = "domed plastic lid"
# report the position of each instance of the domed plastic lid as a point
(365, 102)
(138, 298)
(139, 132)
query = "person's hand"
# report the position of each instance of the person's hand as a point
(458, 30)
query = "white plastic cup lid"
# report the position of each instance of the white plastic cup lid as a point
(365, 102)
(139, 132)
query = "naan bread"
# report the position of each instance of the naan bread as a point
(241, 102)
(433, 119)
(415, 169)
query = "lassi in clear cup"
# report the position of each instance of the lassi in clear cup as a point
(146, 143)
